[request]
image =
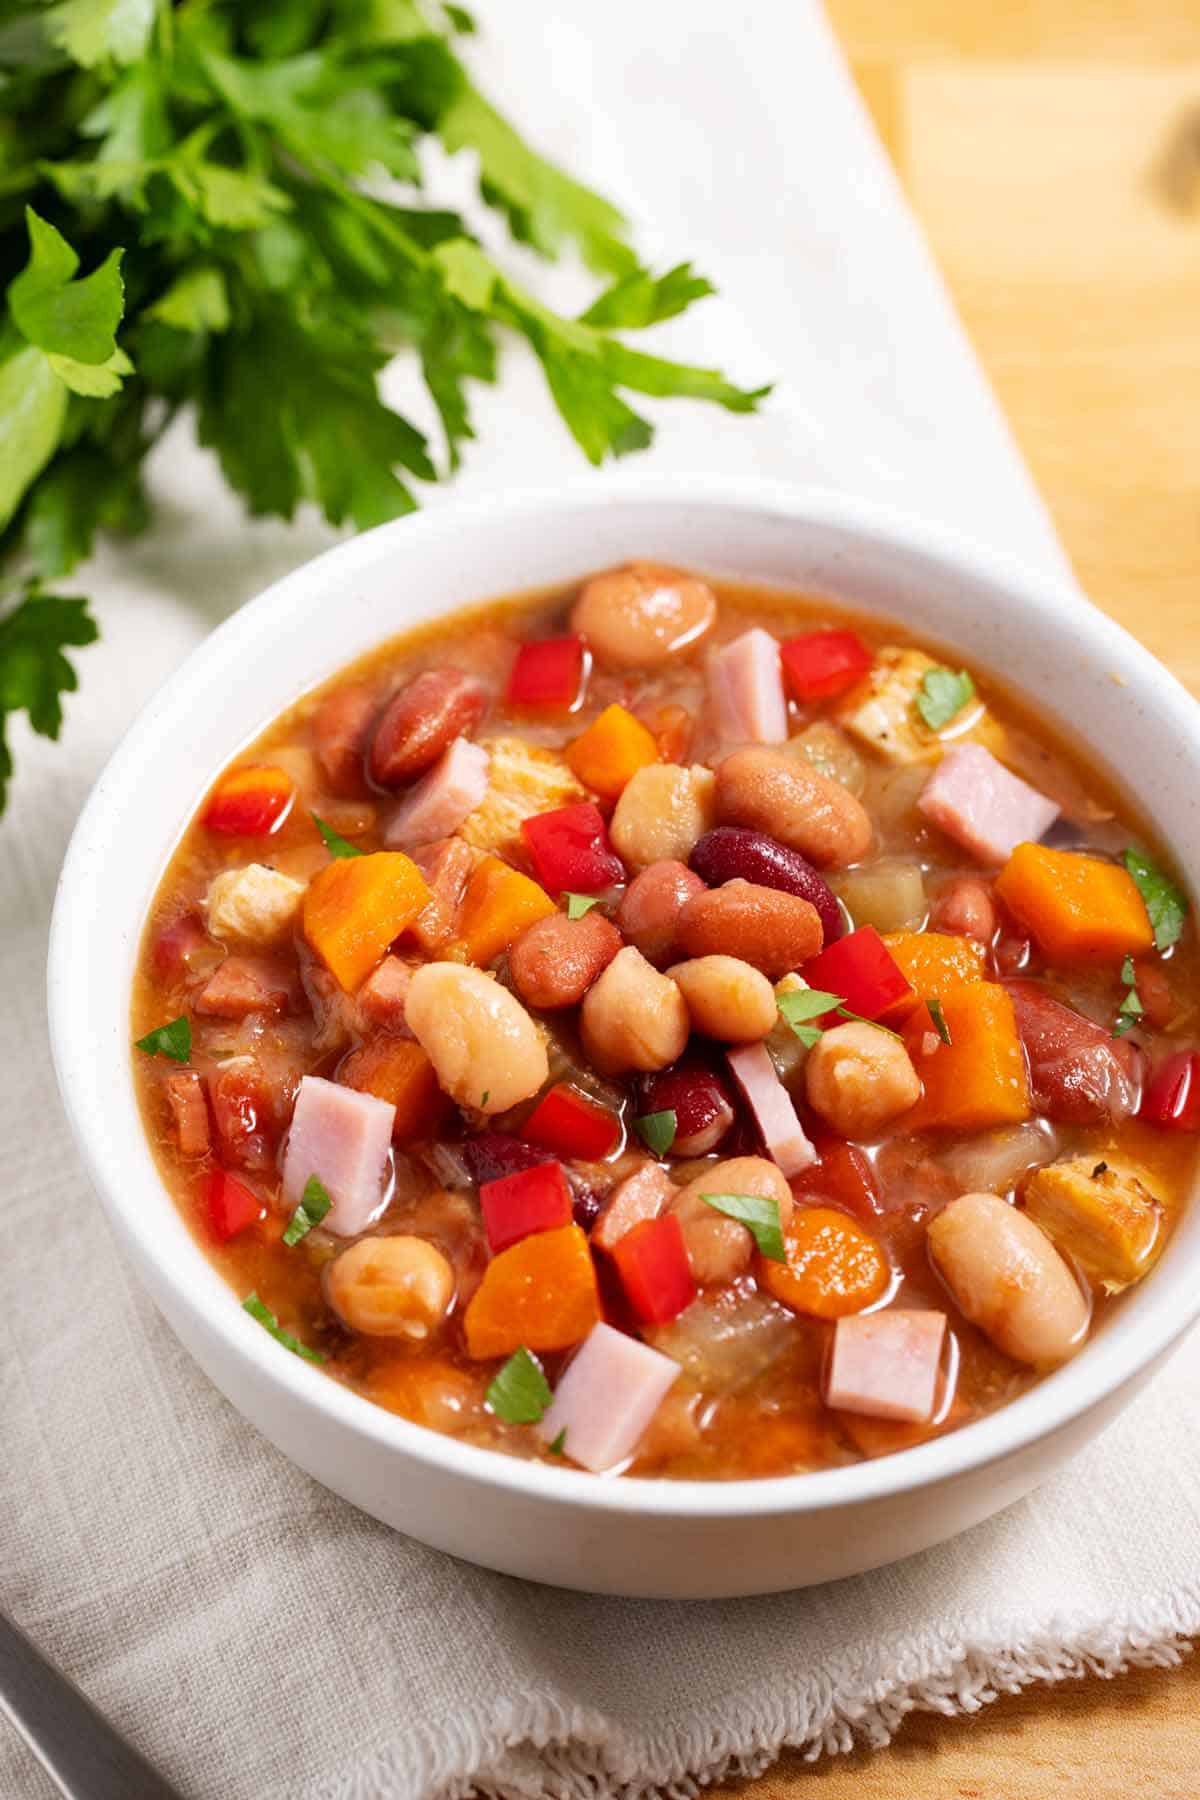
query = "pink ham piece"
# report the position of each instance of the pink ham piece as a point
(643, 1195)
(772, 1107)
(746, 682)
(343, 1138)
(885, 1364)
(612, 1389)
(441, 800)
(983, 806)
(383, 995)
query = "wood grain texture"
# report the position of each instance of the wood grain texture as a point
(1051, 149)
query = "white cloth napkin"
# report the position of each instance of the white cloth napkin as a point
(257, 1637)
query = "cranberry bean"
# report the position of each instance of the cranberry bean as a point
(772, 931)
(643, 615)
(649, 911)
(700, 1100)
(643, 1195)
(1008, 1279)
(633, 1017)
(730, 851)
(340, 728)
(726, 998)
(860, 1078)
(964, 908)
(772, 792)
(557, 959)
(422, 720)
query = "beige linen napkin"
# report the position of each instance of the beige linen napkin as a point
(257, 1637)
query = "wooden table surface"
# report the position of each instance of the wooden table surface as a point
(1051, 149)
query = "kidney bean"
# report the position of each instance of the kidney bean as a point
(731, 851)
(643, 615)
(555, 961)
(340, 728)
(964, 908)
(1078, 1074)
(651, 905)
(422, 720)
(774, 932)
(492, 1154)
(700, 1100)
(772, 792)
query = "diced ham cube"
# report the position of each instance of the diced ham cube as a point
(447, 868)
(746, 681)
(255, 904)
(611, 1390)
(886, 1364)
(342, 1137)
(189, 1112)
(983, 806)
(441, 800)
(643, 1195)
(771, 1104)
(382, 996)
(242, 985)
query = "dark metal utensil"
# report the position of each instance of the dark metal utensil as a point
(75, 1745)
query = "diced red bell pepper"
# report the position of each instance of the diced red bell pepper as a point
(570, 1124)
(518, 1205)
(249, 802)
(652, 1262)
(230, 1206)
(843, 1175)
(570, 850)
(823, 663)
(549, 672)
(862, 969)
(1172, 1097)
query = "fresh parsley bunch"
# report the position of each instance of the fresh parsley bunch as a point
(192, 214)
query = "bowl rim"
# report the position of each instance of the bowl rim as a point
(1043, 1410)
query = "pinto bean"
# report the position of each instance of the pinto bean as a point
(859, 1078)
(662, 813)
(422, 721)
(783, 797)
(650, 907)
(1008, 1279)
(340, 727)
(964, 908)
(773, 931)
(486, 1051)
(633, 1017)
(719, 1248)
(557, 959)
(643, 615)
(728, 999)
(391, 1287)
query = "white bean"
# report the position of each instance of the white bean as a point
(1009, 1280)
(633, 1017)
(485, 1049)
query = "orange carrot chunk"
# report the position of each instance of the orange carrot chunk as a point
(541, 1293)
(356, 907)
(612, 750)
(978, 1079)
(497, 906)
(397, 1070)
(1079, 908)
(833, 1266)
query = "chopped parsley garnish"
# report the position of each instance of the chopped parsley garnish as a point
(759, 1215)
(578, 904)
(520, 1393)
(315, 1202)
(657, 1131)
(266, 1318)
(559, 1445)
(173, 1040)
(939, 1019)
(861, 1019)
(333, 840)
(943, 695)
(1131, 1008)
(805, 1004)
(1166, 903)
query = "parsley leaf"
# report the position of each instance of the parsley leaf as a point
(1165, 902)
(65, 317)
(34, 672)
(578, 904)
(266, 1318)
(558, 1445)
(657, 1131)
(92, 30)
(943, 694)
(333, 840)
(1131, 1008)
(173, 1040)
(804, 1004)
(520, 1392)
(760, 1216)
(315, 1202)
(939, 1019)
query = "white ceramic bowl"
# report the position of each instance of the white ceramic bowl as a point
(560, 1525)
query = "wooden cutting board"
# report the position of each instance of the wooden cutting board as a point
(1051, 149)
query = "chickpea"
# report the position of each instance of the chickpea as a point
(663, 813)
(390, 1287)
(783, 797)
(719, 1248)
(633, 1017)
(728, 999)
(651, 905)
(858, 1078)
(1008, 1279)
(485, 1049)
(643, 615)
(964, 908)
